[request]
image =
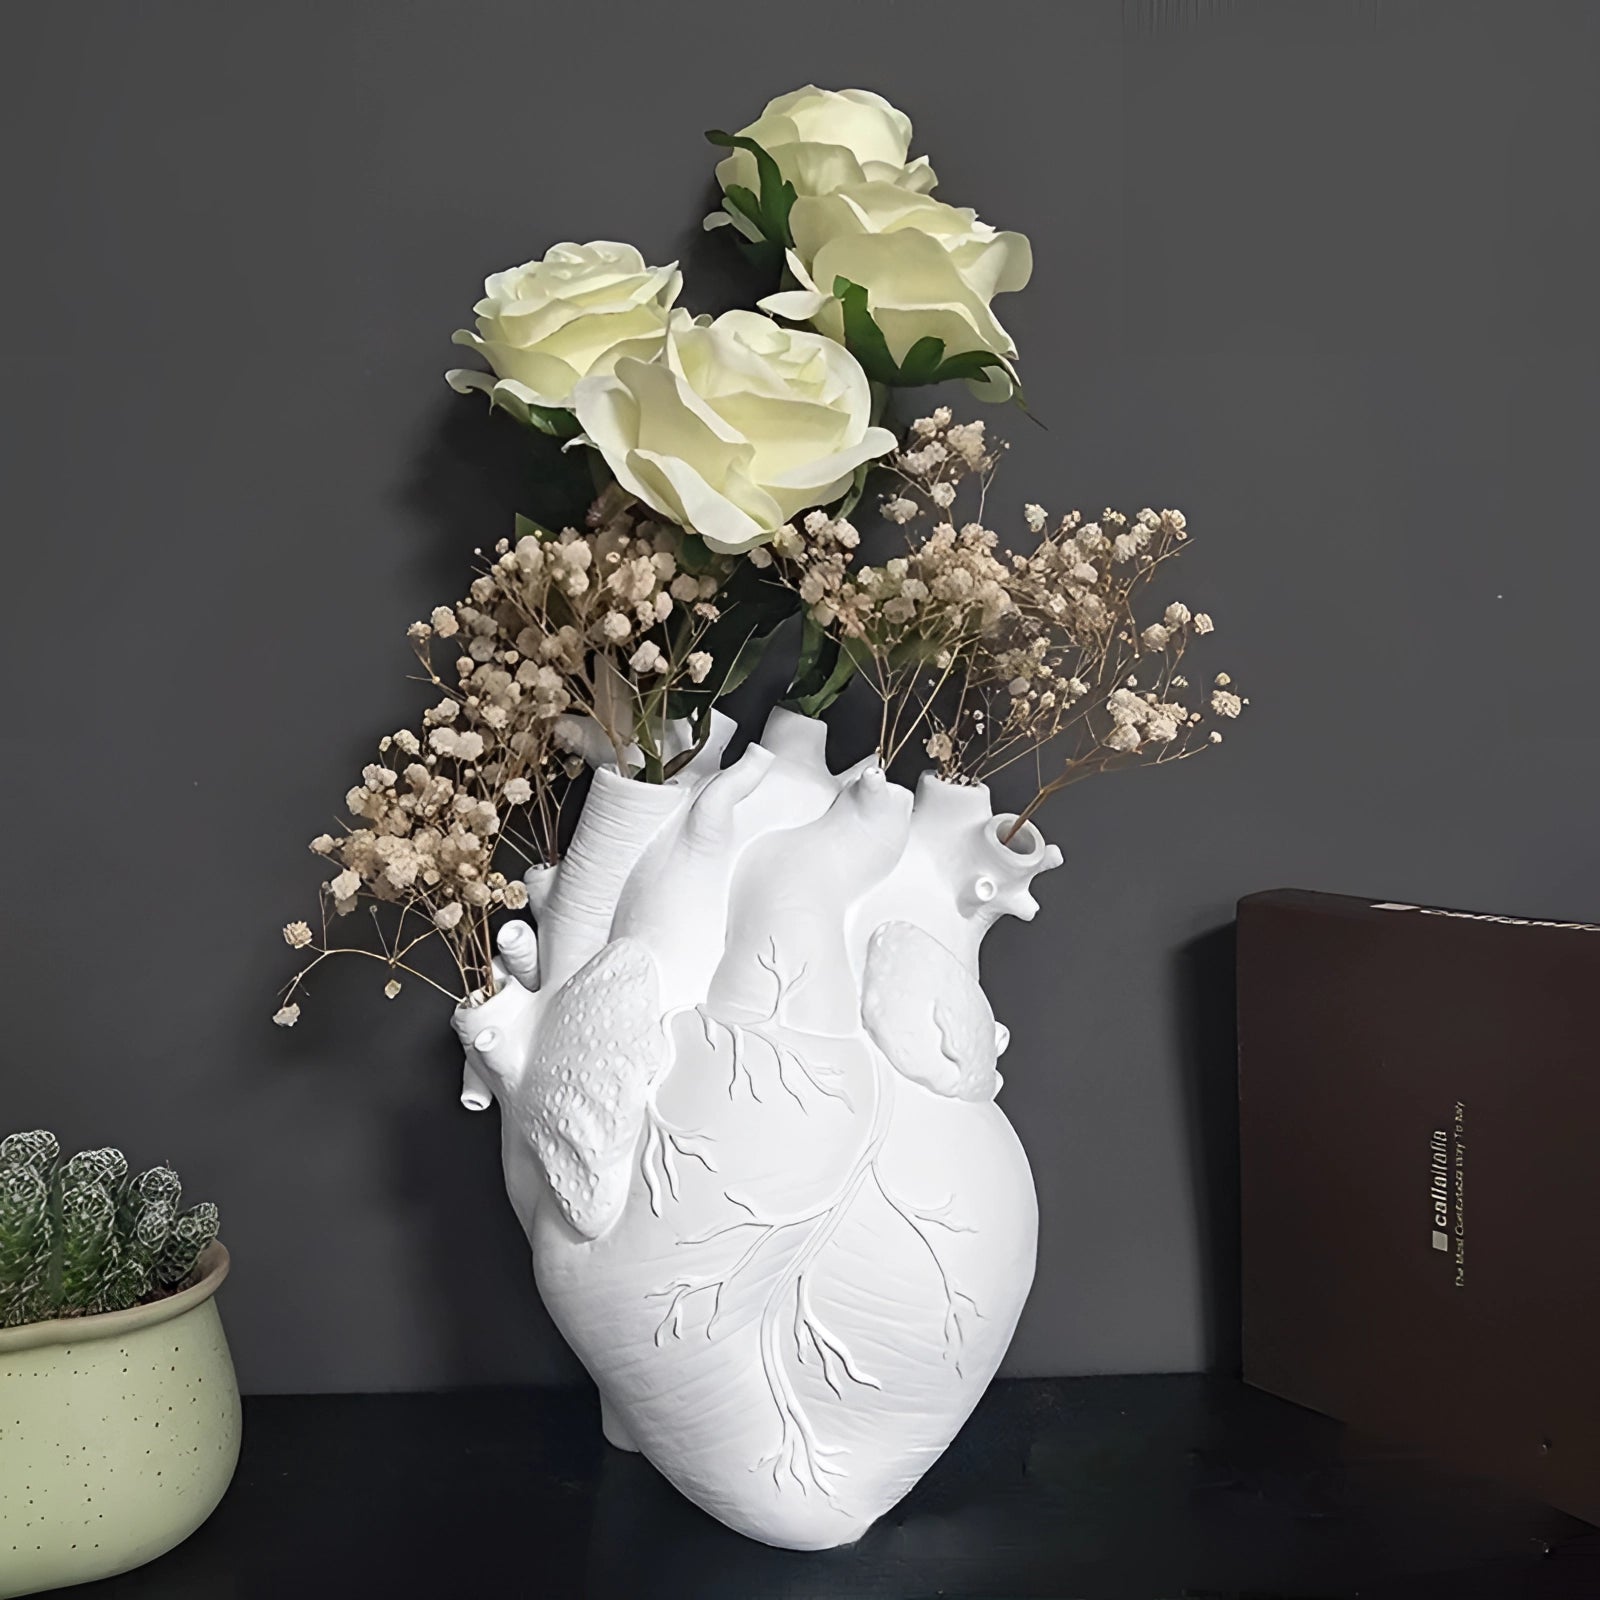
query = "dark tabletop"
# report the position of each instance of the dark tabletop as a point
(1139, 1487)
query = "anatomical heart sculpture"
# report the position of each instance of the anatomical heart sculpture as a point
(745, 1067)
(747, 1075)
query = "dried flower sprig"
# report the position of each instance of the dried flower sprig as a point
(988, 657)
(602, 643)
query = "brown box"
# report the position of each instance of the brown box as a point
(1419, 1115)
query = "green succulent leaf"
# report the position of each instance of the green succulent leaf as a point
(106, 1166)
(191, 1233)
(126, 1284)
(25, 1235)
(159, 1183)
(37, 1148)
(88, 1247)
(82, 1236)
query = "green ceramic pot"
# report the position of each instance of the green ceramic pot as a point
(118, 1435)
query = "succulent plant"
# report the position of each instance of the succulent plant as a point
(81, 1236)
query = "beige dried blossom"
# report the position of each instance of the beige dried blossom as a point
(986, 656)
(297, 935)
(647, 659)
(607, 624)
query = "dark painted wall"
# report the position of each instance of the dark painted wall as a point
(1321, 274)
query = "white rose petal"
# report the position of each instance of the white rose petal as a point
(546, 324)
(822, 140)
(929, 270)
(742, 425)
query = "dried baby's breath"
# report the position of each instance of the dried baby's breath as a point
(602, 624)
(983, 655)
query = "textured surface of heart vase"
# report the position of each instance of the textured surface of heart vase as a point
(747, 1080)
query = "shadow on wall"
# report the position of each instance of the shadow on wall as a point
(1207, 1049)
(487, 1321)
(472, 472)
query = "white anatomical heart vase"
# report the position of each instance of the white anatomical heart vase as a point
(747, 1079)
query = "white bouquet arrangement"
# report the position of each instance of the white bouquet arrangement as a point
(743, 1040)
(734, 454)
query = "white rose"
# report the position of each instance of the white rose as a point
(929, 270)
(824, 139)
(546, 324)
(738, 427)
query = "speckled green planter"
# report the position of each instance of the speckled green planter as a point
(118, 1435)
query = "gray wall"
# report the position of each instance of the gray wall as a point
(1321, 274)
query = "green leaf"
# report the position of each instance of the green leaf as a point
(914, 651)
(813, 705)
(741, 199)
(969, 364)
(922, 361)
(526, 528)
(862, 336)
(748, 658)
(925, 362)
(556, 421)
(753, 609)
(770, 212)
(858, 485)
(694, 555)
(813, 663)
(826, 665)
